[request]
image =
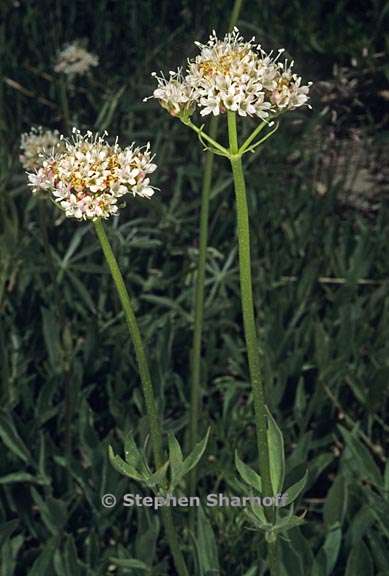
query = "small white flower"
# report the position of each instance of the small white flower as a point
(287, 92)
(89, 175)
(174, 94)
(75, 60)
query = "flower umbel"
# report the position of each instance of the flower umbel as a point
(74, 60)
(37, 143)
(232, 75)
(90, 175)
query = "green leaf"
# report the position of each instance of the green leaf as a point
(276, 454)
(359, 562)
(197, 452)
(386, 481)
(295, 489)
(206, 545)
(292, 559)
(176, 459)
(331, 548)
(131, 453)
(248, 475)
(335, 505)
(54, 512)
(11, 438)
(379, 549)
(123, 467)
(380, 510)
(22, 477)
(319, 567)
(288, 523)
(43, 562)
(6, 529)
(51, 333)
(131, 563)
(159, 477)
(257, 516)
(70, 557)
(362, 460)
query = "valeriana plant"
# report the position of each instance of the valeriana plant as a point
(234, 77)
(87, 181)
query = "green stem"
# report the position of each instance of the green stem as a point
(253, 135)
(195, 394)
(148, 392)
(235, 14)
(205, 136)
(274, 566)
(249, 321)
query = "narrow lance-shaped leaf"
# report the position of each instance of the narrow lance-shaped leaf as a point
(197, 452)
(123, 467)
(295, 490)
(206, 545)
(11, 438)
(276, 454)
(248, 475)
(131, 453)
(176, 460)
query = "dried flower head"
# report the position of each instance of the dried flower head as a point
(90, 175)
(74, 60)
(37, 143)
(236, 75)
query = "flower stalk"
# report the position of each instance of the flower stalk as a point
(148, 392)
(248, 304)
(195, 391)
(249, 322)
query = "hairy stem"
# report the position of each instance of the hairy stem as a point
(249, 322)
(195, 394)
(148, 392)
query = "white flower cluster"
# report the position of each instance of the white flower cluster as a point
(90, 175)
(75, 60)
(175, 95)
(35, 144)
(232, 74)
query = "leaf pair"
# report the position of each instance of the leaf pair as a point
(277, 476)
(135, 467)
(179, 467)
(276, 461)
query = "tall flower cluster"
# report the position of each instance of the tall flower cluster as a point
(75, 60)
(236, 75)
(87, 179)
(35, 144)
